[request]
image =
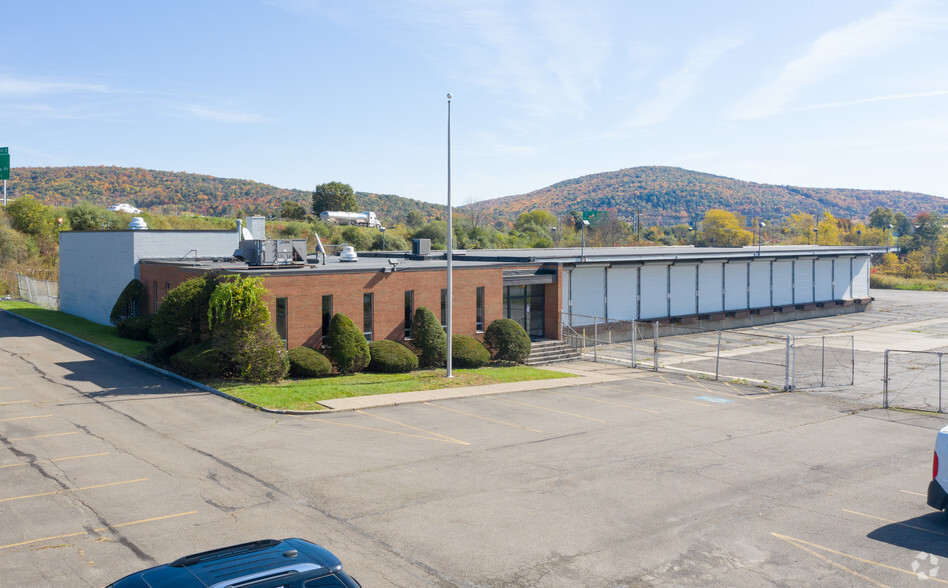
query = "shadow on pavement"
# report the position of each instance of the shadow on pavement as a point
(927, 533)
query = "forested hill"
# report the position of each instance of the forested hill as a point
(670, 194)
(164, 192)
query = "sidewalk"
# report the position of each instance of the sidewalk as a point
(587, 373)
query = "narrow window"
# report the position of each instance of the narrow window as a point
(479, 325)
(409, 311)
(367, 316)
(281, 319)
(444, 307)
(155, 297)
(327, 316)
(167, 288)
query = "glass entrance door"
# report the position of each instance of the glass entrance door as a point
(524, 304)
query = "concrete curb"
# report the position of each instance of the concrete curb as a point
(363, 402)
(156, 369)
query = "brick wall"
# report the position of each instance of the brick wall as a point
(304, 299)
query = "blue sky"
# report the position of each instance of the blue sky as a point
(845, 93)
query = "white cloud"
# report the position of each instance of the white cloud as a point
(221, 115)
(12, 86)
(889, 98)
(676, 88)
(832, 52)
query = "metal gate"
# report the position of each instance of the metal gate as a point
(913, 380)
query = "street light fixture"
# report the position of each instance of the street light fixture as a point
(382, 229)
(816, 236)
(760, 229)
(553, 230)
(858, 238)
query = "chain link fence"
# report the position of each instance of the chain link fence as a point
(782, 361)
(43, 293)
(913, 380)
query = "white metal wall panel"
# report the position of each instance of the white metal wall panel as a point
(844, 278)
(824, 280)
(760, 283)
(684, 279)
(654, 301)
(803, 281)
(710, 284)
(735, 286)
(564, 294)
(783, 282)
(860, 277)
(623, 291)
(589, 292)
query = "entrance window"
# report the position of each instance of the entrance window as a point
(524, 304)
(281, 319)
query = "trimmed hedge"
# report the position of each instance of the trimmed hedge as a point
(137, 328)
(391, 357)
(198, 362)
(348, 349)
(252, 355)
(428, 336)
(306, 362)
(507, 341)
(468, 352)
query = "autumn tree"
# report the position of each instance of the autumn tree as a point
(292, 210)
(334, 196)
(721, 228)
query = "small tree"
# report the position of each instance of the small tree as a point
(348, 349)
(333, 196)
(183, 312)
(250, 346)
(292, 210)
(128, 303)
(428, 336)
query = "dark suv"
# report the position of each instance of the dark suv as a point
(290, 563)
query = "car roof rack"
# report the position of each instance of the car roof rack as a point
(190, 560)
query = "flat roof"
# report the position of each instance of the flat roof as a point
(374, 261)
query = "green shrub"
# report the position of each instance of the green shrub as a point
(507, 341)
(128, 303)
(428, 336)
(391, 357)
(163, 349)
(306, 362)
(137, 328)
(200, 362)
(251, 354)
(468, 352)
(184, 311)
(348, 349)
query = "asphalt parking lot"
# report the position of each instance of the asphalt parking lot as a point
(653, 479)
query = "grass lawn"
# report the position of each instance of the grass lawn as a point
(306, 394)
(102, 335)
(291, 394)
(931, 284)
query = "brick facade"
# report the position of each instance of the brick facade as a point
(304, 292)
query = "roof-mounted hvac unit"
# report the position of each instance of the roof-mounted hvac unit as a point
(273, 252)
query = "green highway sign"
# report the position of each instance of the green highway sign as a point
(4, 163)
(595, 217)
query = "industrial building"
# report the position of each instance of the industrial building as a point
(540, 288)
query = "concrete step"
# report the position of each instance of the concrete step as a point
(547, 352)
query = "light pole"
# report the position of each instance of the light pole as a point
(450, 293)
(382, 229)
(858, 238)
(553, 230)
(816, 235)
(888, 238)
(583, 246)
(760, 230)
